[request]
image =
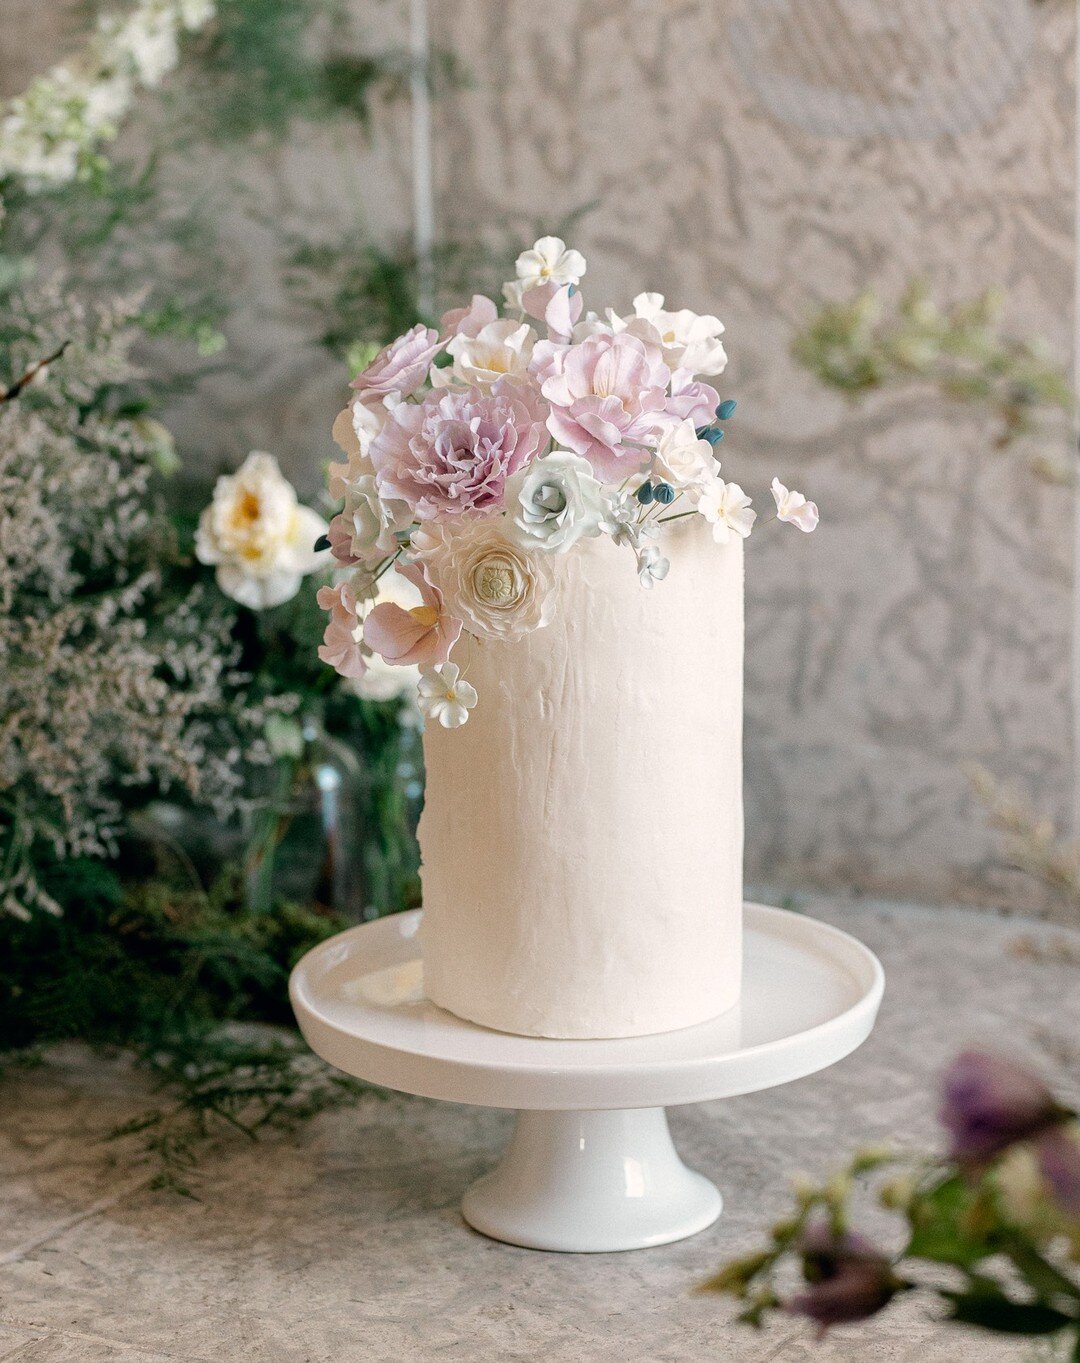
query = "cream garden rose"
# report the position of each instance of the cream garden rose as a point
(257, 535)
(497, 588)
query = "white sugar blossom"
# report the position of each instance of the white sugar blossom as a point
(794, 508)
(727, 508)
(555, 501)
(690, 341)
(549, 260)
(652, 566)
(444, 696)
(501, 348)
(622, 520)
(258, 536)
(683, 460)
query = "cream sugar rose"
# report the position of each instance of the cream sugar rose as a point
(544, 482)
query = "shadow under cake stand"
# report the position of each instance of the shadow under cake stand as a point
(590, 1166)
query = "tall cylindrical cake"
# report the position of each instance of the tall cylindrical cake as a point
(582, 834)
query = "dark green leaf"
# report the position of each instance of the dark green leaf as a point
(1008, 1317)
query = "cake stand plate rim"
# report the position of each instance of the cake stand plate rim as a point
(422, 1050)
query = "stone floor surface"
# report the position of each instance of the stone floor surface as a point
(343, 1243)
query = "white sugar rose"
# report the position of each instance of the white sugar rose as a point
(488, 581)
(499, 349)
(258, 536)
(690, 341)
(370, 520)
(683, 460)
(554, 502)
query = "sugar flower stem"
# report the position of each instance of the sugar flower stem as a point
(384, 565)
(677, 517)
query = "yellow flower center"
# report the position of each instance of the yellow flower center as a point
(247, 510)
(495, 583)
(427, 616)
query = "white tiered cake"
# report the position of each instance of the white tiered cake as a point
(582, 835)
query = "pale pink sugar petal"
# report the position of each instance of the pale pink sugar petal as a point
(562, 313)
(404, 637)
(337, 477)
(342, 654)
(341, 541)
(423, 635)
(602, 418)
(399, 368)
(547, 360)
(534, 301)
(620, 371)
(792, 507)
(469, 321)
(340, 647)
(394, 632)
(806, 517)
(339, 599)
(692, 400)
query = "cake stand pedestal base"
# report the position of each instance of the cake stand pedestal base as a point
(589, 1182)
(590, 1166)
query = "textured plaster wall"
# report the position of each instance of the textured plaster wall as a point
(928, 622)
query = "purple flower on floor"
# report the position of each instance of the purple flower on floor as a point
(1058, 1153)
(988, 1104)
(847, 1277)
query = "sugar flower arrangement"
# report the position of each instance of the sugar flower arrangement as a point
(480, 452)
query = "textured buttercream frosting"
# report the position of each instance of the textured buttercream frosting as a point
(582, 834)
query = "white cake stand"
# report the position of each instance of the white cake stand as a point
(590, 1166)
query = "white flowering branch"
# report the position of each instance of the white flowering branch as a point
(50, 135)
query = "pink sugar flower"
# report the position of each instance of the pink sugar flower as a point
(606, 397)
(536, 301)
(469, 321)
(400, 367)
(423, 635)
(341, 539)
(341, 641)
(691, 399)
(562, 313)
(453, 452)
